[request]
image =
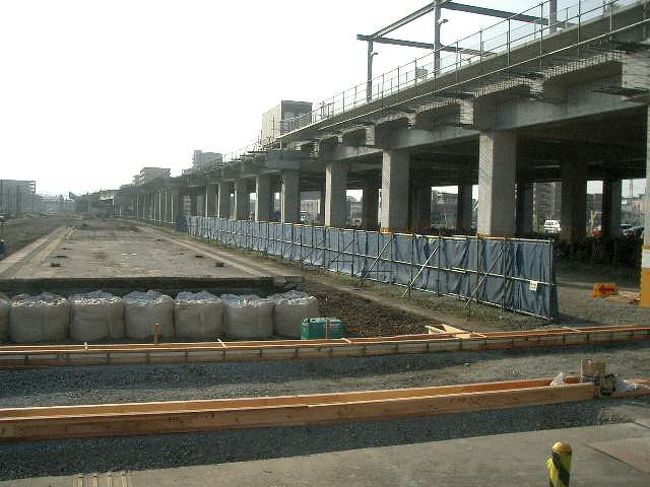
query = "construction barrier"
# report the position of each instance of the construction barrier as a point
(514, 274)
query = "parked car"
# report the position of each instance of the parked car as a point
(552, 227)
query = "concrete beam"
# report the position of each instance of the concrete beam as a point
(444, 113)
(404, 139)
(363, 136)
(496, 183)
(347, 153)
(582, 101)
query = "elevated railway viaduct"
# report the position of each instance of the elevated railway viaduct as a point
(564, 101)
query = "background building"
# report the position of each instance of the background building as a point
(202, 159)
(17, 197)
(277, 121)
(148, 174)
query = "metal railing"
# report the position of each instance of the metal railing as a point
(498, 39)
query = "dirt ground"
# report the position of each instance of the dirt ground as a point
(364, 317)
(21, 232)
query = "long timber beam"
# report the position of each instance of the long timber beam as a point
(209, 415)
(40, 423)
(121, 354)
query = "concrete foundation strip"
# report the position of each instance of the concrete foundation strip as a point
(209, 415)
(120, 354)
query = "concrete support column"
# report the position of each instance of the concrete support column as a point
(421, 209)
(290, 197)
(464, 207)
(524, 208)
(210, 200)
(223, 200)
(645, 256)
(263, 198)
(336, 183)
(395, 173)
(147, 205)
(160, 207)
(173, 205)
(165, 213)
(194, 203)
(497, 167)
(370, 208)
(321, 204)
(574, 200)
(242, 200)
(612, 196)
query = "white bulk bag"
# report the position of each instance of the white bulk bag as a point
(198, 316)
(42, 318)
(96, 316)
(143, 310)
(248, 317)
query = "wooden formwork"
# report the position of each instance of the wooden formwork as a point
(443, 341)
(40, 423)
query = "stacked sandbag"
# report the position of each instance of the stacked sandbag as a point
(42, 318)
(198, 316)
(143, 310)
(248, 316)
(5, 306)
(96, 316)
(290, 309)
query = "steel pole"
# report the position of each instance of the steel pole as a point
(552, 16)
(369, 79)
(436, 32)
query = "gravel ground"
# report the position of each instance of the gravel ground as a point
(577, 306)
(116, 384)
(68, 457)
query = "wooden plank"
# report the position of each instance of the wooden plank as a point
(147, 418)
(57, 355)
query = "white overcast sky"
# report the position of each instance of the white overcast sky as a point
(91, 91)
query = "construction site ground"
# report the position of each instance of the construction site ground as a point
(475, 448)
(606, 455)
(118, 384)
(111, 248)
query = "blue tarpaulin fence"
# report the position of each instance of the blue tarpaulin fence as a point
(515, 274)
